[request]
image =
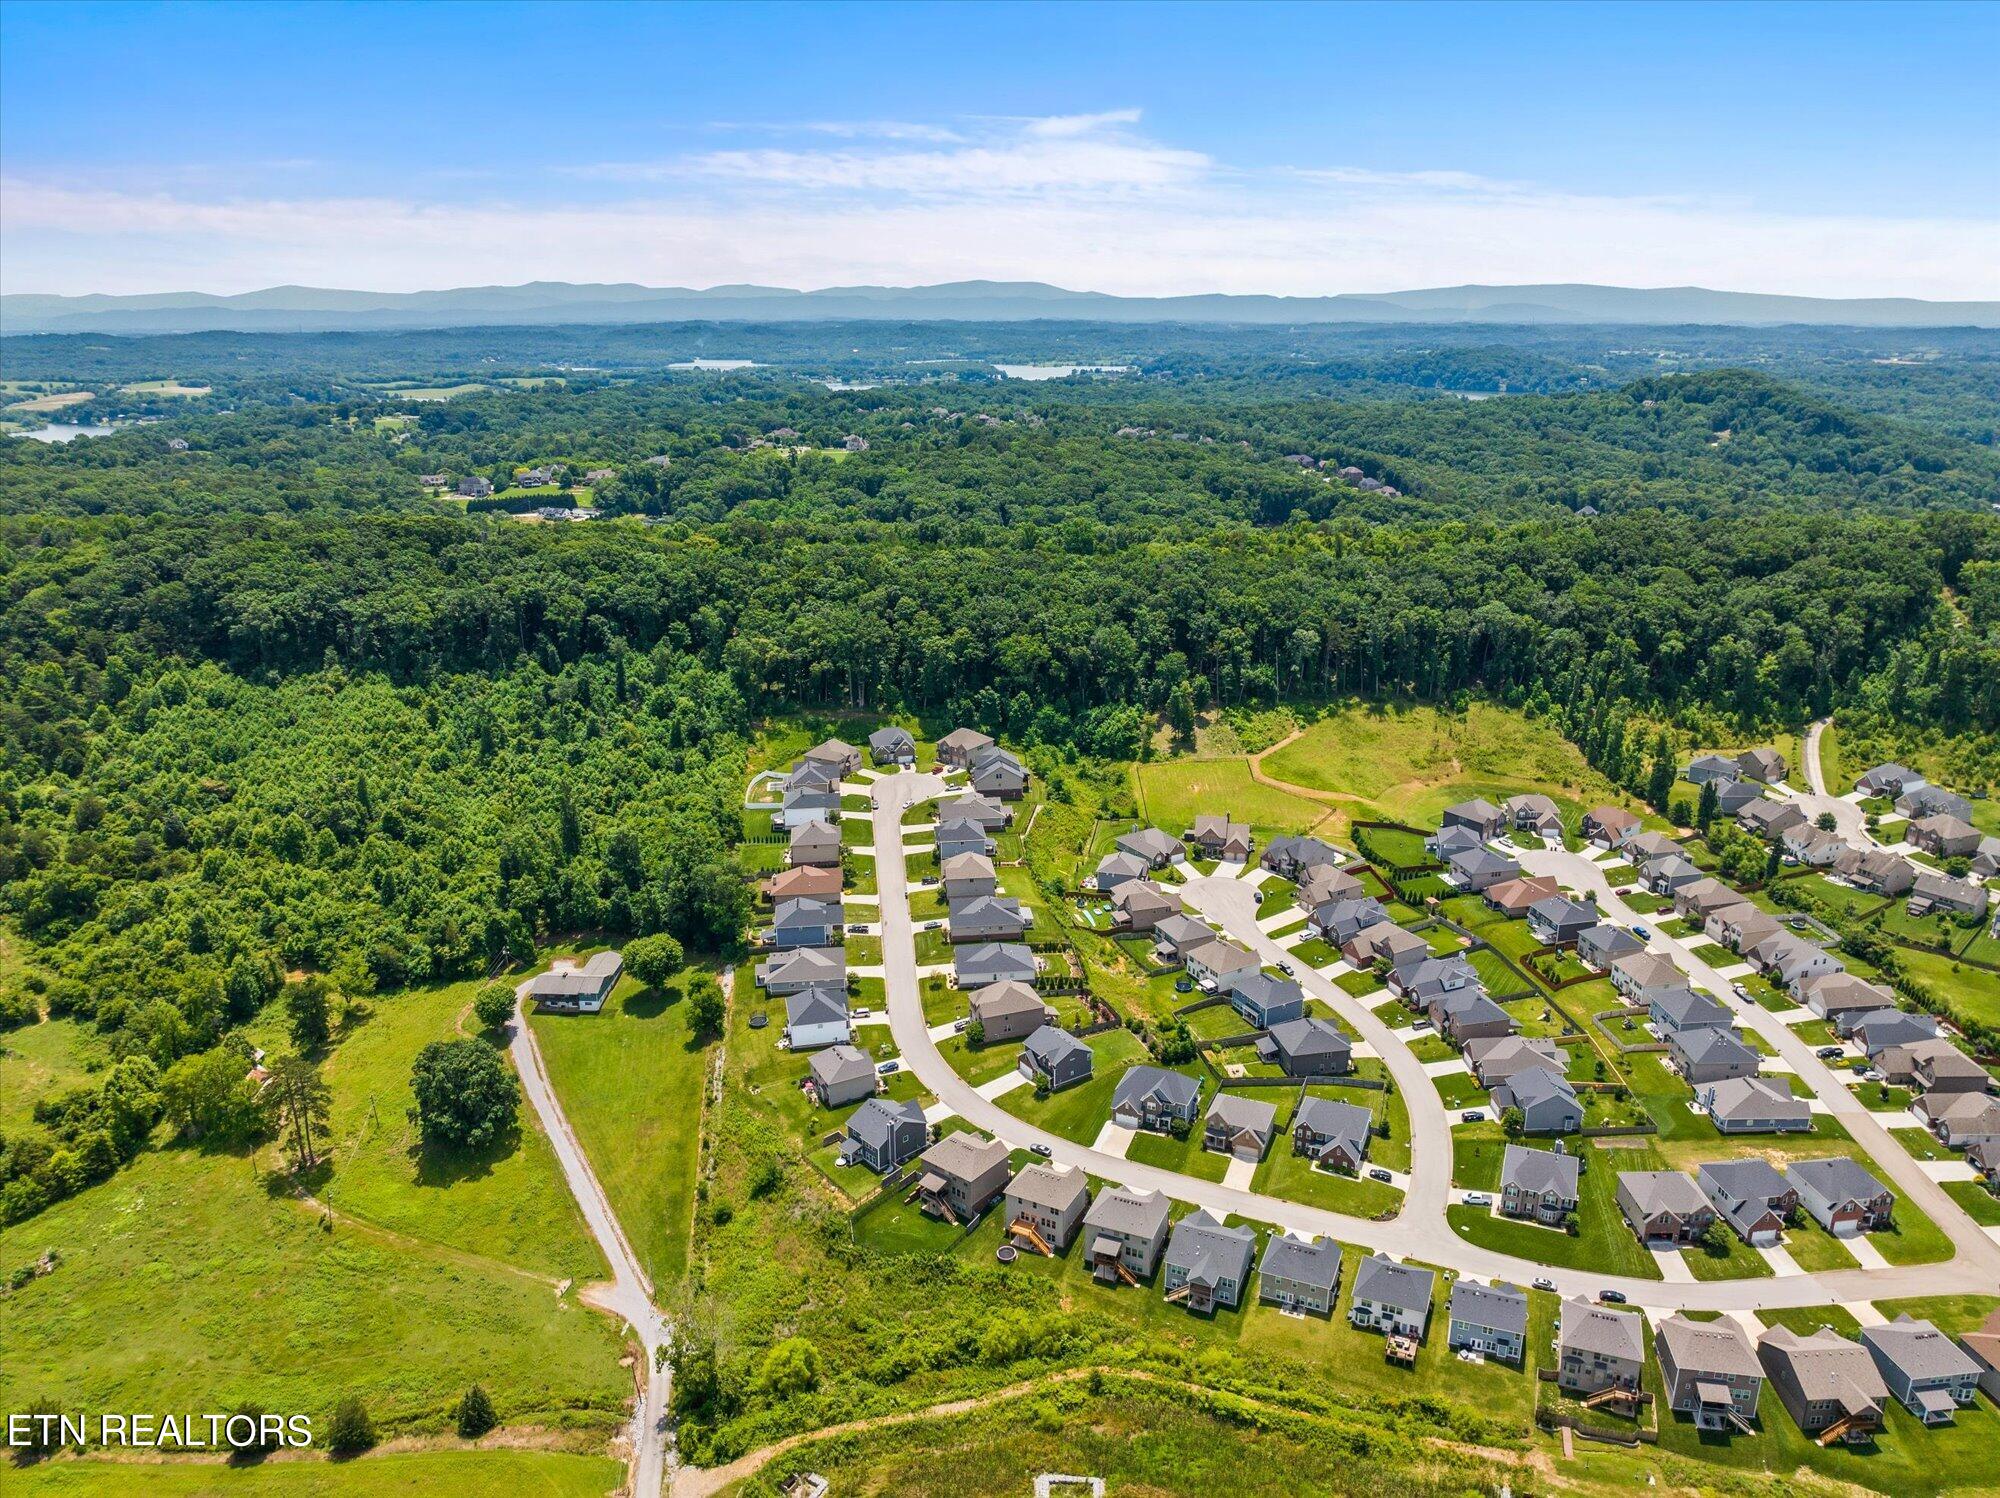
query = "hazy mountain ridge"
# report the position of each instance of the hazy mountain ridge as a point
(317, 309)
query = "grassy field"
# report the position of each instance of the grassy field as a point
(510, 1203)
(1969, 991)
(1171, 793)
(39, 1061)
(541, 1474)
(186, 1284)
(164, 387)
(630, 1082)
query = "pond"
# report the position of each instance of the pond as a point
(67, 431)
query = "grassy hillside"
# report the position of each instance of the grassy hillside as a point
(534, 1474)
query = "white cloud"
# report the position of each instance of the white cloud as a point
(1083, 201)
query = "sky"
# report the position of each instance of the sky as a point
(1827, 150)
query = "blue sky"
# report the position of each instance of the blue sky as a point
(1833, 150)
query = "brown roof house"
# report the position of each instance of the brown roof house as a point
(1007, 1011)
(961, 1175)
(1218, 837)
(815, 844)
(1711, 1372)
(1608, 826)
(1827, 1384)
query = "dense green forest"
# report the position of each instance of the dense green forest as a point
(268, 710)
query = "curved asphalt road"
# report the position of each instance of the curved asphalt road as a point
(1421, 1230)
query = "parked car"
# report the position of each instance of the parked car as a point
(1379, 1174)
(1040, 1149)
(932, 925)
(1612, 1297)
(1741, 991)
(1285, 968)
(1642, 933)
(887, 1067)
(1478, 1199)
(930, 879)
(1545, 1283)
(1471, 1115)
(862, 1013)
(1829, 1052)
(858, 928)
(1421, 1022)
(958, 1026)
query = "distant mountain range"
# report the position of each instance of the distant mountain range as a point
(315, 309)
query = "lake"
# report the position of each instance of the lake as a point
(66, 431)
(721, 365)
(1058, 371)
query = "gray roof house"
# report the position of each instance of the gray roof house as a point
(1767, 765)
(1960, 1119)
(1239, 1125)
(1598, 1349)
(987, 918)
(1117, 868)
(1218, 837)
(1920, 801)
(1547, 1102)
(1706, 767)
(1391, 1297)
(1207, 1264)
(975, 966)
(1731, 796)
(1538, 1184)
(1663, 1206)
(1751, 1196)
(1300, 1274)
(892, 746)
(1308, 1047)
(1053, 1053)
(1790, 960)
(1878, 1029)
(966, 876)
(1844, 997)
(1008, 1010)
(960, 835)
(1148, 1097)
(1711, 1055)
(1418, 982)
(1488, 1319)
(1475, 869)
(1332, 1133)
(817, 1016)
(1341, 920)
(1216, 965)
(1770, 818)
(1264, 999)
(1290, 857)
(1942, 892)
(1825, 1382)
(1608, 826)
(1449, 840)
(807, 803)
(1922, 1367)
(1889, 780)
(1603, 944)
(1668, 872)
(1751, 1105)
(804, 922)
(841, 1075)
(1047, 1201)
(962, 1175)
(1125, 1230)
(1711, 1372)
(995, 772)
(1493, 1061)
(1481, 815)
(803, 967)
(1179, 935)
(1464, 1015)
(1681, 1008)
(1842, 1197)
(1643, 847)
(1559, 919)
(1534, 814)
(973, 807)
(1157, 848)
(578, 989)
(884, 1132)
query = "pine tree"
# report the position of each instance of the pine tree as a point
(475, 1414)
(298, 1105)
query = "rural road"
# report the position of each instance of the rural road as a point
(1421, 1230)
(630, 1293)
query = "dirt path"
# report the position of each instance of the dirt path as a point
(1336, 802)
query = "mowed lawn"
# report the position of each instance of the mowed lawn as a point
(509, 1203)
(185, 1283)
(630, 1081)
(1173, 792)
(542, 1474)
(1410, 763)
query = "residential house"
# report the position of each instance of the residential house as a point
(1239, 1125)
(962, 1175)
(1767, 765)
(1322, 885)
(1706, 767)
(1711, 1055)
(1598, 1348)
(1385, 942)
(1218, 837)
(967, 876)
(1603, 944)
(1308, 1047)
(1731, 796)
(1880, 1029)
(1300, 1274)
(1449, 840)
(814, 776)
(1788, 959)
(816, 1017)
(840, 1075)
(1141, 906)
(805, 882)
(1921, 801)
(1922, 1367)
(1682, 1008)
(988, 918)
(1216, 966)
(844, 758)
(1634, 974)
(995, 772)
(1054, 1055)
(1751, 1196)
(1960, 1119)
(1391, 1297)
(1559, 920)
(1740, 926)
(1811, 845)
(1710, 1371)
(1984, 1349)
(1842, 1197)
(1984, 1158)
(1538, 1185)
(990, 814)
(1148, 1097)
(805, 804)
(1876, 870)
(975, 965)
(1941, 892)
(1827, 1384)
(1208, 1264)
(1986, 858)
(1770, 819)
(1264, 999)
(1293, 857)
(960, 836)
(1663, 1206)
(1942, 1068)
(1513, 896)
(1420, 979)
(1341, 921)
(1643, 847)
(1125, 1231)
(884, 1132)
(1889, 780)
(1666, 872)
(1898, 1063)
(805, 967)
(803, 922)
(1534, 814)
(1751, 1105)
(1463, 1015)
(578, 988)
(471, 488)
(1048, 1202)
(1608, 826)
(1842, 998)
(1178, 935)
(1491, 1320)
(1544, 1098)
(1479, 814)
(957, 748)
(1696, 902)
(1477, 869)
(1495, 1060)
(814, 844)
(1007, 1010)
(1153, 846)
(1332, 1133)
(892, 746)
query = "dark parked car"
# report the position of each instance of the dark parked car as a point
(1612, 1297)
